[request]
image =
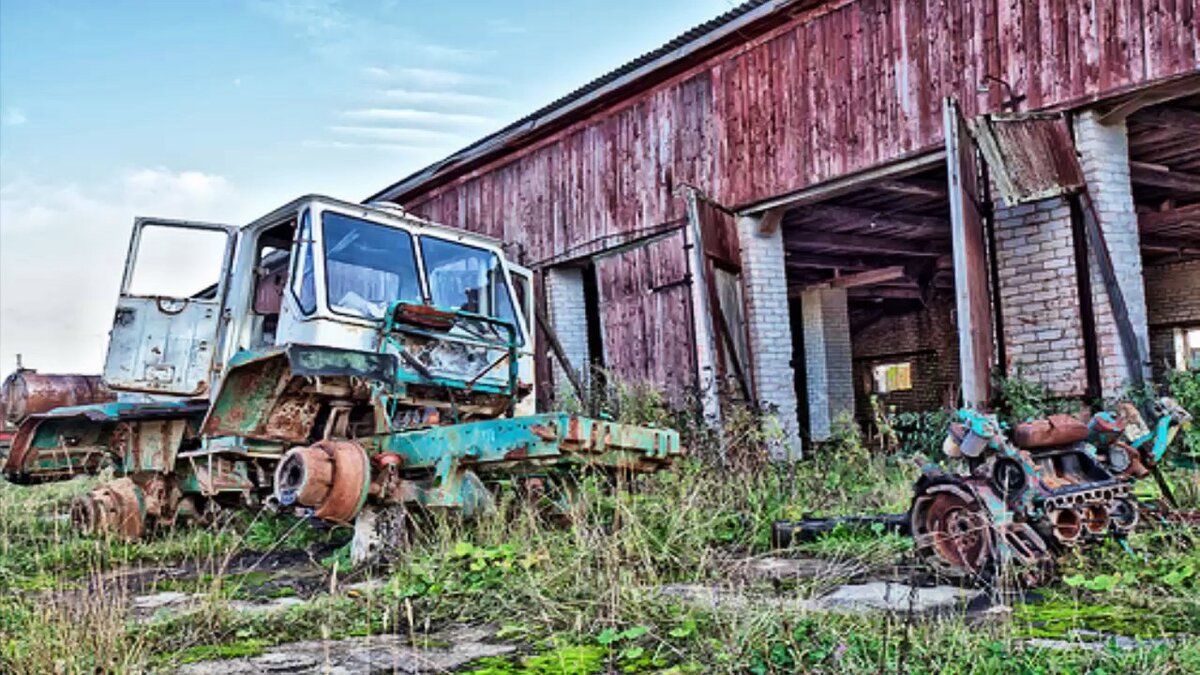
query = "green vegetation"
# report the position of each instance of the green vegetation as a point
(589, 598)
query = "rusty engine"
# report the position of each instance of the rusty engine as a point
(1054, 484)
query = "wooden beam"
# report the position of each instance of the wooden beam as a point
(1158, 244)
(769, 221)
(869, 244)
(864, 278)
(972, 296)
(1173, 216)
(1167, 92)
(1159, 176)
(830, 217)
(1180, 119)
(846, 184)
(885, 293)
(914, 186)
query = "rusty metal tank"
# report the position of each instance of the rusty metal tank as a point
(28, 392)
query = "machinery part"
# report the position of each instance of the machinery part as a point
(1048, 433)
(1067, 526)
(117, 508)
(1124, 515)
(380, 533)
(953, 530)
(1104, 429)
(1008, 477)
(27, 392)
(981, 434)
(330, 477)
(1120, 457)
(784, 533)
(1096, 519)
(952, 446)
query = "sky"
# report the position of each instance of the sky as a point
(225, 109)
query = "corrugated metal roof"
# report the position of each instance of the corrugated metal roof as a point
(664, 55)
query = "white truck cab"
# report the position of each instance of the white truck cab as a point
(317, 271)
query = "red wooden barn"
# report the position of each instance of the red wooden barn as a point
(805, 203)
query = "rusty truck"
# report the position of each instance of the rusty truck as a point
(330, 357)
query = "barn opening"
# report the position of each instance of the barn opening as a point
(1164, 170)
(871, 293)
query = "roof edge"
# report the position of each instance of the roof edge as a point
(628, 74)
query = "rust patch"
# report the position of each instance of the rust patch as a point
(293, 418)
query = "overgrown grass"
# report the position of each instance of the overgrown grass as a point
(590, 598)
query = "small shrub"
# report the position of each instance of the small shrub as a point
(1184, 387)
(1021, 399)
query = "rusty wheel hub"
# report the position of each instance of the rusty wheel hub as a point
(117, 508)
(331, 477)
(953, 531)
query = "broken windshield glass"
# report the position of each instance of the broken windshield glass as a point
(367, 266)
(467, 279)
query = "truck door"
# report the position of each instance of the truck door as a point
(165, 333)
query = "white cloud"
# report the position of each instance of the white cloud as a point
(415, 116)
(438, 78)
(310, 18)
(449, 99)
(362, 31)
(505, 27)
(403, 135)
(12, 117)
(62, 252)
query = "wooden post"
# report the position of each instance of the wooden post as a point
(970, 261)
(706, 343)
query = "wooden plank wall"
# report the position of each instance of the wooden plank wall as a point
(843, 88)
(646, 316)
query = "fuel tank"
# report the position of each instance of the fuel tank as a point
(28, 392)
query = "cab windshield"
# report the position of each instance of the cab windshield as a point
(367, 266)
(466, 278)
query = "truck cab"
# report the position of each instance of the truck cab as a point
(317, 271)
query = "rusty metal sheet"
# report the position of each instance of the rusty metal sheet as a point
(1030, 157)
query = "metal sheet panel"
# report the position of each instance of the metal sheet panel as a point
(1031, 157)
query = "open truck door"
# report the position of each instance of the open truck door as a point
(167, 326)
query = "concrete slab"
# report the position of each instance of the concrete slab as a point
(894, 597)
(378, 654)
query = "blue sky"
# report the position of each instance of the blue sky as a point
(222, 110)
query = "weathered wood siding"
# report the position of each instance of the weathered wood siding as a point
(842, 88)
(646, 315)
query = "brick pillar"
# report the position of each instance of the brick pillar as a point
(1039, 294)
(568, 316)
(827, 358)
(764, 280)
(1104, 156)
